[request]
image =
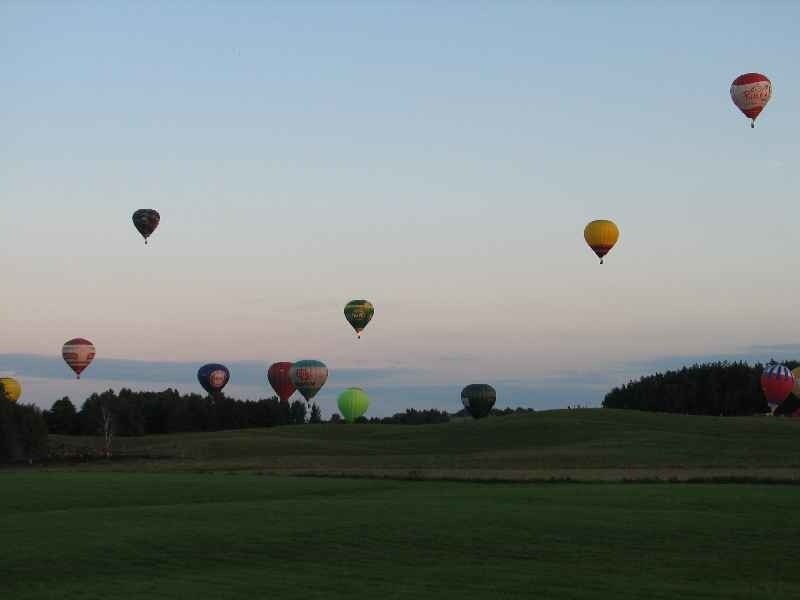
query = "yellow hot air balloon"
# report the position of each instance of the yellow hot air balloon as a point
(601, 235)
(12, 388)
(796, 373)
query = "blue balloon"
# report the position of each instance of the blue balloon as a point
(213, 377)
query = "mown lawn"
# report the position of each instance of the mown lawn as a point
(133, 535)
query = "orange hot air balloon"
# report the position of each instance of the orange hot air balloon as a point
(601, 235)
(78, 353)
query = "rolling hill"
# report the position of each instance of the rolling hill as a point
(589, 444)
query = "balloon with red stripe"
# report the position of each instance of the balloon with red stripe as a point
(279, 379)
(78, 354)
(777, 383)
(750, 93)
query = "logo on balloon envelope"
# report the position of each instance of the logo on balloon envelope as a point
(303, 375)
(748, 96)
(217, 378)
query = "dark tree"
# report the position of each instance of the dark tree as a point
(23, 431)
(297, 413)
(62, 418)
(316, 414)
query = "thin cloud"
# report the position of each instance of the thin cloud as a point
(169, 372)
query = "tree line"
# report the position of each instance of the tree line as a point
(132, 413)
(23, 431)
(717, 388)
(129, 413)
(24, 428)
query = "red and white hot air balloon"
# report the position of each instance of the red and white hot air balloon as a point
(777, 383)
(750, 93)
(78, 353)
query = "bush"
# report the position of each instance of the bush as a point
(23, 431)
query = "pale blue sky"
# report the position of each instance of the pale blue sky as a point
(440, 159)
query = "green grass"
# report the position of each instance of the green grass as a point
(196, 519)
(579, 444)
(158, 536)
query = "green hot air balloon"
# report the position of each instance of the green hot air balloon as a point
(478, 399)
(353, 402)
(358, 313)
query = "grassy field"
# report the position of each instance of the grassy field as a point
(588, 444)
(194, 515)
(158, 536)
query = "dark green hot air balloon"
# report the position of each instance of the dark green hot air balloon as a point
(478, 399)
(358, 313)
(146, 220)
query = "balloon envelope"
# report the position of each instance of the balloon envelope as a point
(78, 354)
(359, 313)
(308, 376)
(353, 403)
(278, 376)
(478, 399)
(213, 377)
(601, 235)
(796, 373)
(777, 382)
(146, 220)
(12, 388)
(750, 93)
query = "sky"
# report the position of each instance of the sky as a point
(439, 159)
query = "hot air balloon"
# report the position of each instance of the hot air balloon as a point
(78, 353)
(478, 399)
(353, 403)
(278, 376)
(358, 313)
(12, 388)
(777, 382)
(750, 93)
(146, 220)
(308, 376)
(601, 236)
(796, 374)
(213, 377)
